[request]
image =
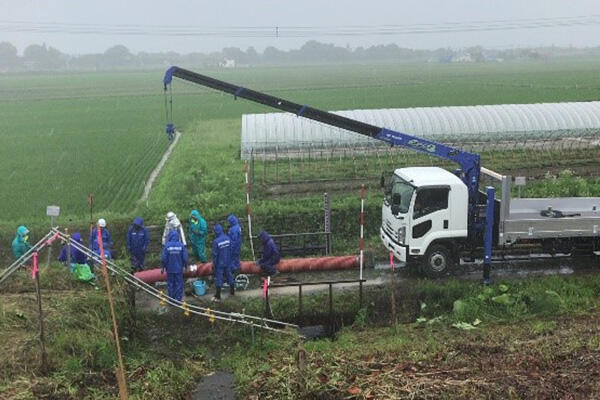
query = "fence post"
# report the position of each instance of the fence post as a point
(289, 166)
(300, 304)
(68, 248)
(268, 313)
(360, 294)
(36, 275)
(264, 174)
(248, 209)
(331, 330)
(393, 289)
(362, 234)
(277, 164)
(327, 211)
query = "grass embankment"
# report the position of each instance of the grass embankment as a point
(531, 338)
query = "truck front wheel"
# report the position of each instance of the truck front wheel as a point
(438, 261)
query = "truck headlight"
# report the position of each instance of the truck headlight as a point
(401, 234)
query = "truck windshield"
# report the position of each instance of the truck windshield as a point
(397, 185)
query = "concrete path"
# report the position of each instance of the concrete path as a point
(219, 385)
(159, 167)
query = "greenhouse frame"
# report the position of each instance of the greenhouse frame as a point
(459, 125)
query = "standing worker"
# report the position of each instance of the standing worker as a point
(107, 242)
(20, 244)
(198, 235)
(174, 259)
(221, 253)
(77, 256)
(270, 254)
(137, 244)
(235, 235)
(172, 223)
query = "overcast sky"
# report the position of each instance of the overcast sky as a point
(140, 24)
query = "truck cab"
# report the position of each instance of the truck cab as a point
(424, 216)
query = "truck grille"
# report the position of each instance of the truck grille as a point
(387, 227)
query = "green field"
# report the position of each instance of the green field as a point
(66, 135)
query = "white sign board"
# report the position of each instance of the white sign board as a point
(520, 180)
(52, 211)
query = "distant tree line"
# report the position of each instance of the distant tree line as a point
(46, 58)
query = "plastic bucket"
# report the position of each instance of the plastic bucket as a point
(199, 288)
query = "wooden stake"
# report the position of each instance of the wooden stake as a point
(121, 370)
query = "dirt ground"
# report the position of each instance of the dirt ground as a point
(561, 362)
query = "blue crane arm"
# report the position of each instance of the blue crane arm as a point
(469, 162)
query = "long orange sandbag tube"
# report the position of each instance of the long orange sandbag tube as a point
(249, 267)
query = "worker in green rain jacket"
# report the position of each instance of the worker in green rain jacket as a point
(198, 235)
(21, 243)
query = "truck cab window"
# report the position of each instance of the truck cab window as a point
(399, 186)
(430, 200)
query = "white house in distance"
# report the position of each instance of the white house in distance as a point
(227, 63)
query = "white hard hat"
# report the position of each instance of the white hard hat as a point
(101, 223)
(170, 215)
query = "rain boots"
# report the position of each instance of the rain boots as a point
(217, 296)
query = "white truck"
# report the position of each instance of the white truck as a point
(425, 220)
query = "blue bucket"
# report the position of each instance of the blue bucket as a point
(199, 288)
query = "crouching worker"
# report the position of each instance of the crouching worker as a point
(174, 260)
(137, 244)
(222, 261)
(77, 257)
(20, 244)
(270, 255)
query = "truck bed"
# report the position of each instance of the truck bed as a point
(581, 219)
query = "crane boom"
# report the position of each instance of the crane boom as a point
(469, 162)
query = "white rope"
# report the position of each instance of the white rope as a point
(202, 311)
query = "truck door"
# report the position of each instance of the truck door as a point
(430, 217)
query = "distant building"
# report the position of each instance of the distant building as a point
(463, 58)
(227, 63)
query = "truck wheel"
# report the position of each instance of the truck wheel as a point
(438, 261)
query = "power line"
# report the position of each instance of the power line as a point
(296, 31)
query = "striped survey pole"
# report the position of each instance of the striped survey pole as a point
(362, 229)
(248, 208)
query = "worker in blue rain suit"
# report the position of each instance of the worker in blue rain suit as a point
(270, 254)
(137, 244)
(20, 244)
(198, 231)
(174, 260)
(107, 242)
(77, 256)
(235, 236)
(221, 253)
